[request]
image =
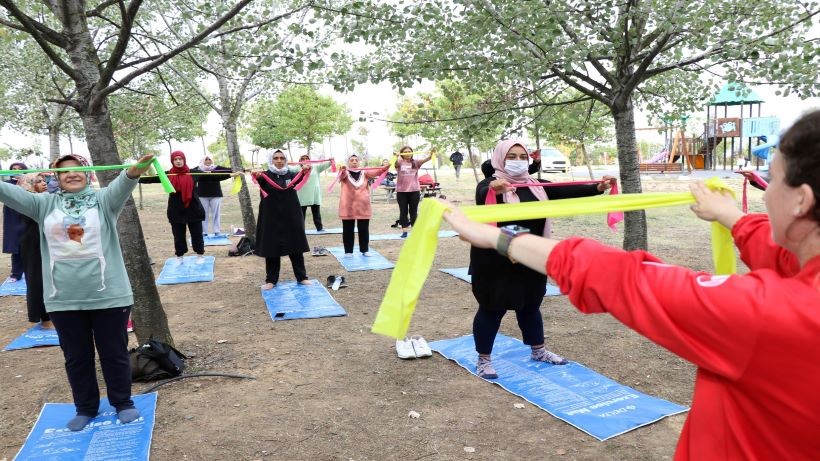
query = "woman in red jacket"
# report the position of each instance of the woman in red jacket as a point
(755, 337)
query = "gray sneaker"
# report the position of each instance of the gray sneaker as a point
(485, 369)
(543, 355)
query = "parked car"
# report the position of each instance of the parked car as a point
(552, 160)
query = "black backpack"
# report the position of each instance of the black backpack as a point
(156, 360)
(243, 248)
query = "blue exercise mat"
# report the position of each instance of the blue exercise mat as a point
(334, 230)
(441, 234)
(187, 272)
(572, 393)
(36, 336)
(17, 288)
(461, 273)
(357, 262)
(103, 438)
(290, 300)
(216, 239)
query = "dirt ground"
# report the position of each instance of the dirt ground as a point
(328, 389)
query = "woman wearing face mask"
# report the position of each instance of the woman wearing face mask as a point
(86, 291)
(13, 228)
(354, 204)
(30, 253)
(498, 283)
(755, 338)
(310, 195)
(280, 226)
(408, 189)
(184, 208)
(210, 191)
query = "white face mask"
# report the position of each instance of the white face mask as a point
(516, 167)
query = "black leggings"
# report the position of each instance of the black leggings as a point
(408, 201)
(79, 332)
(181, 244)
(317, 215)
(349, 235)
(487, 322)
(272, 266)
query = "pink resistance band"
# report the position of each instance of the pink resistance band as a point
(611, 218)
(298, 181)
(331, 160)
(756, 178)
(375, 183)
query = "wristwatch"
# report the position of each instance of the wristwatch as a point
(508, 233)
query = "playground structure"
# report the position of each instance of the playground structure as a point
(745, 138)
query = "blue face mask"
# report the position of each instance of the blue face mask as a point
(516, 167)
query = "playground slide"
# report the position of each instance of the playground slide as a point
(762, 151)
(658, 158)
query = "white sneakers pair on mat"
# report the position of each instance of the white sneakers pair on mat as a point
(413, 347)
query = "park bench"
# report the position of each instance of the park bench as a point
(660, 167)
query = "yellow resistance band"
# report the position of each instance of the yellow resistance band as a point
(419, 250)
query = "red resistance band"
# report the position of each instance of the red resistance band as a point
(296, 183)
(375, 183)
(611, 218)
(308, 162)
(751, 176)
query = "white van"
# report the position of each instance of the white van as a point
(552, 160)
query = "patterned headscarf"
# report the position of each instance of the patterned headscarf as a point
(28, 180)
(75, 204)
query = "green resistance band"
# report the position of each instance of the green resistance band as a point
(163, 178)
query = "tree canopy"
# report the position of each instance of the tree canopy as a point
(661, 54)
(299, 114)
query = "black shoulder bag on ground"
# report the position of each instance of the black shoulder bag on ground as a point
(243, 248)
(156, 360)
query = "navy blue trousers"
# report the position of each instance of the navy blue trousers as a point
(487, 322)
(79, 332)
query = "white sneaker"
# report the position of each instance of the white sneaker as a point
(420, 347)
(180, 260)
(367, 254)
(200, 259)
(348, 255)
(404, 349)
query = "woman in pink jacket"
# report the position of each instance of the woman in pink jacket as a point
(354, 204)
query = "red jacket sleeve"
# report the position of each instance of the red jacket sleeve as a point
(687, 312)
(753, 237)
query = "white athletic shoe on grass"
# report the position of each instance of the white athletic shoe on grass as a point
(404, 349)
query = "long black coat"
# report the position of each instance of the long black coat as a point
(280, 227)
(498, 284)
(14, 226)
(177, 212)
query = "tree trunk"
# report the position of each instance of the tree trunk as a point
(170, 147)
(583, 149)
(148, 314)
(635, 235)
(245, 204)
(53, 142)
(472, 160)
(538, 146)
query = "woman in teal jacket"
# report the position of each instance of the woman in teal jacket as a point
(85, 286)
